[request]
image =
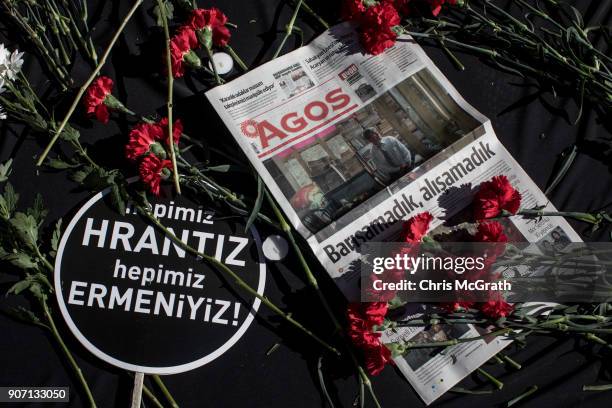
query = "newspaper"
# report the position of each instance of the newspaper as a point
(351, 144)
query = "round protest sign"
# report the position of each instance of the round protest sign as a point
(140, 302)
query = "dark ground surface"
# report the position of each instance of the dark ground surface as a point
(245, 376)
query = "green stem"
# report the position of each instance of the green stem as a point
(236, 58)
(368, 384)
(149, 394)
(511, 362)
(498, 384)
(521, 397)
(162, 10)
(288, 29)
(71, 360)
(91, 78)
(157, 379)
(314, 15)
(212, 64)
(603, 387)
(237, 279)
(312, 281)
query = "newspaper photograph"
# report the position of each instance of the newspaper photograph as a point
(351, 145)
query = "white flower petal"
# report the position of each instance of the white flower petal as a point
(4, 54)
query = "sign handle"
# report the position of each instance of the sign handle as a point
(137, 390)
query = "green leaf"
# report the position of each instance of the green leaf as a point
(57, 233)
(117, 199)
(69, 134)
(59, 164)
(26, 227)
(222, 168)
(5, 170)
(38, 291)
(396, 302)
(8, 201)
(21, 260)
(27, 316)
(566, 163)
(257, 205)
(80, 175)
(168, 11)
(19, 287)
(38, 210)
(42, 279)
(205, 37)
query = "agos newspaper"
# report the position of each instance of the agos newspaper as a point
(351, 144)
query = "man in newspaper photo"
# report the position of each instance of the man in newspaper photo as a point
(390, 156)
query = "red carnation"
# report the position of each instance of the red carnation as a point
(353, 10)
(377, 25)
(416, 227)
(377, 40)
(495, 196)
(375, 312)
(389, 275)
(490, 231)
(376, 358)
(360, 327)
(152, 170)
(142, 137)
(212, 23)
(95, 96)
(368, 314)
(457, 306)
(362, 318)
(497, 307)
(177, 129)
(182, 45)
(436, 5)
(152, 137)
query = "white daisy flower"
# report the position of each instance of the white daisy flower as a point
(2, 113)
(10, 63)
(4, 54)
(13, 65)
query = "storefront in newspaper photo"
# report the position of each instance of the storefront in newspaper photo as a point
(326, 175)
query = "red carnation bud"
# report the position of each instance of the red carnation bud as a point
(457, 306)
(377, 27)
(362, 317)
(177, 129)
(376, 358)
(153, 170)
(95, 96)
(182, 45)
(495, 196)
(416, 227)
(496, 307)
(352, 10)
(142, 137)
(436, 5)
(490, 231)
(148, 138)
(210, 25)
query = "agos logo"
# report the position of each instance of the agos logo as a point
(293, 122)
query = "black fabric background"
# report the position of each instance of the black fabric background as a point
(535, 131)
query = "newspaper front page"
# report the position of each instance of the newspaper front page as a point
(351, 144)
